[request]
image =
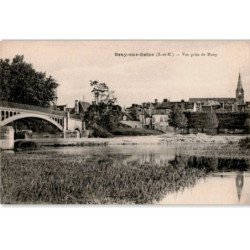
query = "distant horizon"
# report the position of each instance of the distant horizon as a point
(139, 71)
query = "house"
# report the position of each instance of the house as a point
(61, 107)
(80, 107)
(155, 115)
(160, 113)
(214, 104)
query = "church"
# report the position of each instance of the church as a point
(222, 104)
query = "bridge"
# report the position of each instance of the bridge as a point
(10, 112)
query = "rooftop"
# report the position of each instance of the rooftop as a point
(222, 99)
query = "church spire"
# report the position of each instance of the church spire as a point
(239, 85)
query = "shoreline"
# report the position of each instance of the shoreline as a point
(141, 140)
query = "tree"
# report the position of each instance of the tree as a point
(102, 93)
(21, 83)
(212, 122)
(181, 121)
(177, 119)
(103, 112)
(247, 125)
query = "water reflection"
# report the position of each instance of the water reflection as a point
(239, 180)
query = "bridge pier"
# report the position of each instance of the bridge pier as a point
(6, 137)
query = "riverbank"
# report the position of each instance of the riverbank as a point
(168, 138)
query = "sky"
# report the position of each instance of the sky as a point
(192, 69)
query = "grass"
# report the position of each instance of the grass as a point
(101, 133)
(57, 178)
(70, 179)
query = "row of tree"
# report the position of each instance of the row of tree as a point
(209, 121)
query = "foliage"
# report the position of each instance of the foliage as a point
(207, 120)
(25, 145)
(21, 83)
(247, 125)
(102, 93)
(103, 113)
(106, 116)
(232, 120)
(245, 143)
(177, 119)
(135, 132)
(101, 132)
(211, 121)
(196, 120)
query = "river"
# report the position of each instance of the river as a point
(226, 179)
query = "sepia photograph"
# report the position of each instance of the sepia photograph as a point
(125, 122)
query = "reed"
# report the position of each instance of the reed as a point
(70, 179)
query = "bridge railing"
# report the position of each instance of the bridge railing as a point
(4, 104)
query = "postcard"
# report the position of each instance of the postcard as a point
(125, 122)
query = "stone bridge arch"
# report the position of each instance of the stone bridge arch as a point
(23, 115)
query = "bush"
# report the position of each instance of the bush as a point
(135, 132)
(247, 125)
(101, 132)
(25, 145)
(245, 143)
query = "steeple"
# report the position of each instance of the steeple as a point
(239, 85)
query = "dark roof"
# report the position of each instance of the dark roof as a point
(84, 105)
(129, 117)
(63, 105)
(170, 105)
(219, 99)
(134, 105)
(165, 105)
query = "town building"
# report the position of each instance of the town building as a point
(214, 104)
(80, 107)
(155, 115)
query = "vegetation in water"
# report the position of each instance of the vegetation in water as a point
(71, 179)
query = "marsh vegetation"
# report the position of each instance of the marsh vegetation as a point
(106, 175)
